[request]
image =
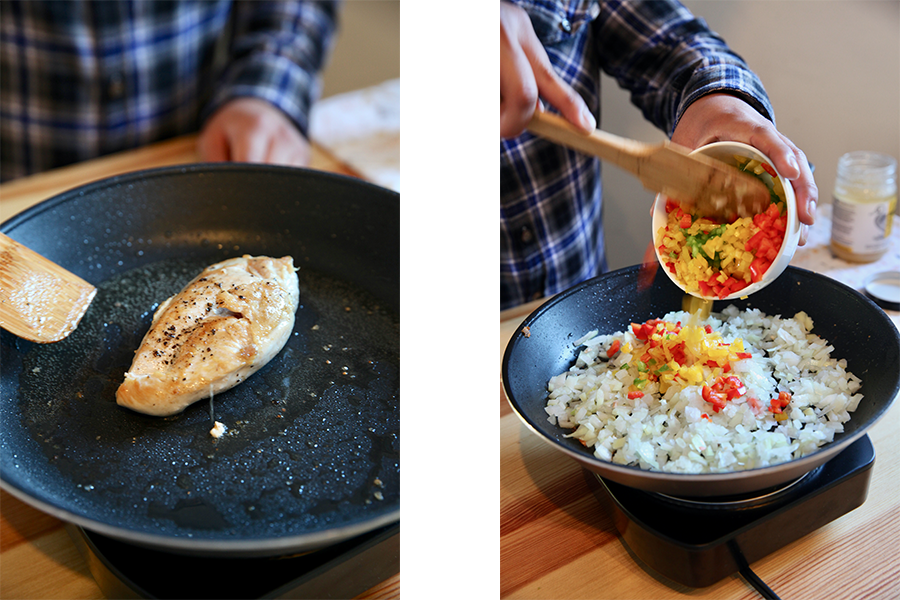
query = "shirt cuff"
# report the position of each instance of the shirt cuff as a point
(726, 79)
(275, 79)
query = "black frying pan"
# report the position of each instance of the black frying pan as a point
(859, 331)
(313, 449)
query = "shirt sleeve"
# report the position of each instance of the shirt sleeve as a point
(667, 58)
(276, 53)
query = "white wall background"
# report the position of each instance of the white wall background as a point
(832, 71)
(367, 49)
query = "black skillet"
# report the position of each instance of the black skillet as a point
(859, 331)
(312, 452)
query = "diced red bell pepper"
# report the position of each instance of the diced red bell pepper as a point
(767, 249)
(685, 221)
(643, 331)
(613, 348)
(779, 225)
(739, 285)
(634, 395)
(766, 242)
(777, 405)
(760, 220)
(650, 327)
(731, 286)
(735, 387)
(758, 266)
(769, 170)
(678, 353)
(711, 287)
(755, 240)
(723, 390)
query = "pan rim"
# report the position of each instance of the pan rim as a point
(207, 547)
(588, 460)
(199, 544)
(185, 169)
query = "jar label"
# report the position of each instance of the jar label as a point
(862, 228)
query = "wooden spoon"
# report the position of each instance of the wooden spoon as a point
(39, 300)
(713, 187)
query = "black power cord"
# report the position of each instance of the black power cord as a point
(758, 584)
(749, 576)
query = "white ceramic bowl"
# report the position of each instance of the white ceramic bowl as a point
(725, 152)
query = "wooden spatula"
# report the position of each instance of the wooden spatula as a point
(713, 187)
(39, 300)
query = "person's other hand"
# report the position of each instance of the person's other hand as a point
(252, 130)
(722, 117)
(526, 75)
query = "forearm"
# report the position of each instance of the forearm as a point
(667, 59)
(276, 54)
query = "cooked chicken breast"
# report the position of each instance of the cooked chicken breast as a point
(225, 325)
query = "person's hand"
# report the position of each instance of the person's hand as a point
(252, 130)
(526, 75)
(722, 117)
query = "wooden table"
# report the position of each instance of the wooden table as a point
(38, 558)
(557, 542)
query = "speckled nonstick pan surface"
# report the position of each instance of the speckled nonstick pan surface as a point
(312, 452)
(857, 328)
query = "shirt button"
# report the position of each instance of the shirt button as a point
(565, 25)
(595, 10)
(527, 236)
(115, 85)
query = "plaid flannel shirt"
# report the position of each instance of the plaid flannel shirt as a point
(83, 79)
(551, 235)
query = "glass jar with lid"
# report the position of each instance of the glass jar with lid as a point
(865, 197)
